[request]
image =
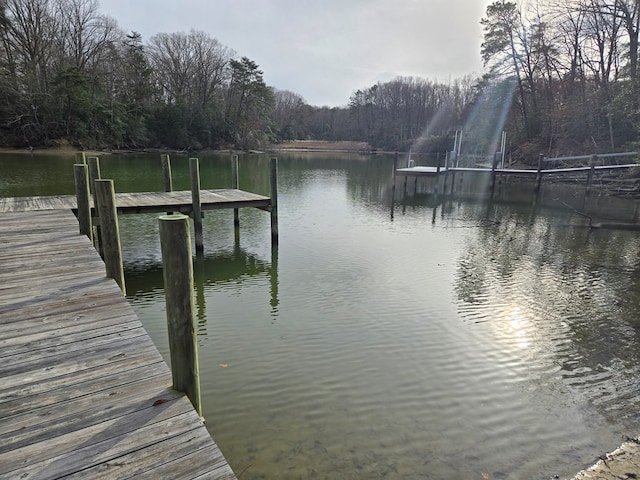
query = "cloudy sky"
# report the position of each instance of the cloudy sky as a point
(326, 49)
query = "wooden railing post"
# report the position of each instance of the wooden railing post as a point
(106, 208)
(274, 200)
(235, 184)
(81, 175)
(175, 243)
(194, 168)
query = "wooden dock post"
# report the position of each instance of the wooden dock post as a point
(81, 175)
(175, 243)
(446, 173)
(106, 208)
(81, 157)
(539, 174)
(166, 172)
(194, 168)
(94, 174)
(274, 200)
(436, 183)
(494, 163)
(235, 184)
(587, 191)
(394, 176)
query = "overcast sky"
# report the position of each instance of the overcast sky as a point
(324, 50)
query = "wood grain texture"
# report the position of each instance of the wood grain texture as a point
(84, 392)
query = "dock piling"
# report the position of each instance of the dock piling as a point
(94, 174)
(587, 191)
(235, 184)
(110, 240)
(81, 176)
(175, 243)
(194, 168)
(539, 174)
(166, 172)
(274, 200)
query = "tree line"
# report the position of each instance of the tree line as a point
(69, 73)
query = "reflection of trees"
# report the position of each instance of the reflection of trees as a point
(578, 289)
(218, 268)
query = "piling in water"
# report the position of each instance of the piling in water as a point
(274, 200)
(235, 184)
(166, 173)
(194, 168)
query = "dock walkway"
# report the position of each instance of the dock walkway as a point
(84, 392)
(139, 202)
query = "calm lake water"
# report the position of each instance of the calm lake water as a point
(462, 341)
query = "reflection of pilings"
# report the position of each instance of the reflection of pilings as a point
(273, 280)
(201, 304)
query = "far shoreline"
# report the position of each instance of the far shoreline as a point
(319, 146)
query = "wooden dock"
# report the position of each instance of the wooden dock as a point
(146, 202)
(84, 392)
(434, 171)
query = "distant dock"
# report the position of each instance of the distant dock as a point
(489, 177)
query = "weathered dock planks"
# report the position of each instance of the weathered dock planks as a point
(84, 392)
(145, 202)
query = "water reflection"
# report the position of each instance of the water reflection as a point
(560, 293)
(222, 267)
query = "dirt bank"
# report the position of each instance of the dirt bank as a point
(324, 146)
(622, 463)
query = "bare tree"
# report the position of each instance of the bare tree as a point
(189, 68)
